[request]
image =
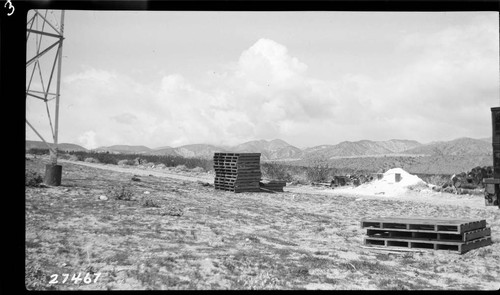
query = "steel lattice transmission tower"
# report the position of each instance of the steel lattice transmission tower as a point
(44, 44)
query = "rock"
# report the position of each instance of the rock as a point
(134, 178)
(103, 198)
(146, 193)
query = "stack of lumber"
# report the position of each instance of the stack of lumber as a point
(237, 172)
(456, 235)
(473, 178)
(273, 185)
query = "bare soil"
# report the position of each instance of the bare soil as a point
(201, 238)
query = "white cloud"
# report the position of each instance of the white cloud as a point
(88, 140)
(268, 62)
(267, 93)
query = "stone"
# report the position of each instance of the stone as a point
(103, 198)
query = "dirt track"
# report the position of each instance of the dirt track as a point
(145, 172)
(424, 196)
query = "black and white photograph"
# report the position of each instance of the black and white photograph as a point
(185, 149)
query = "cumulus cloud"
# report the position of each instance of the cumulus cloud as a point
(268, 62)
(451, 84)
(88, 140)
(268, 93)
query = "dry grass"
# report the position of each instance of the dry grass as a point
(201, 238)
(32, 178)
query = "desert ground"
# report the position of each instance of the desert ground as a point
(175, 231)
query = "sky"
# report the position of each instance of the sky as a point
(165, 78)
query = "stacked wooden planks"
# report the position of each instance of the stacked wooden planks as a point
(273, 185)
(456, 235)
(237, 172)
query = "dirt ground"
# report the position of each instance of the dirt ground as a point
(178, 232)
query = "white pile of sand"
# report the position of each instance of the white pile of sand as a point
(387, 186)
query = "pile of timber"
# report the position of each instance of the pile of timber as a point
(473, 178)
(456, 235)
(237, 172)
(467, 182)
(273, 185)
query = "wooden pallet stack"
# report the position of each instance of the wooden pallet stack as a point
(456, 235)
(237, 172)
(273, 185)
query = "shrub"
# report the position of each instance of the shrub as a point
(122, 193)
(198, 169)
(173, 211)
(317, 169)
(161, 166)
(91, 160)
(105, 158)
(436, 179)
(126, 162)
(149, 164)
(63, 156)
(276, 171)
(37, 151)
(140, 161)
(32, 178)
(148, 202)
(73, 158)
(180, 168)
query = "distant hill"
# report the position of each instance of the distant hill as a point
(163, 151)
(31, 144)
(360, 148)
(276, 149)
(399, 145)
(460, 146)
(204, 151)
(124, 149)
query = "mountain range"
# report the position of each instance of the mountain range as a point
(279, 150)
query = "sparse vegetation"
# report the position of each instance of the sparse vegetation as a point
(173, 211)
(435, 170)
(91, 160)
(150, 202)
(318, 169)
(202, 238)
(198, 169)
(126, 162)
(122, 193)
(73, 158)
(181, 168)
(276, 171)
(32, 178)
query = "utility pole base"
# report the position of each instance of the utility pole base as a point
(53, 174)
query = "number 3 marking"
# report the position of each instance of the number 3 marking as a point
(10, 7)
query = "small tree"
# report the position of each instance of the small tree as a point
(318, 169)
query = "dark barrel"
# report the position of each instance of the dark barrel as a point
(53, 174)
